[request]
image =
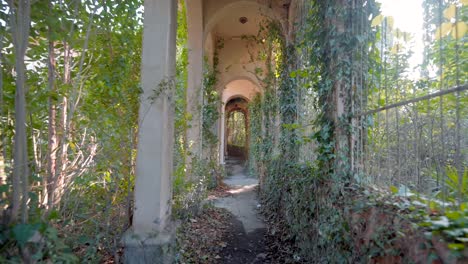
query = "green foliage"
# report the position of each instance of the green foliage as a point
(255, 132)
(211, 102)
(451, 225)
(181, 114)
(440, 219)
(189, 193)
(288, 98)
(95, 95)
(236, 123)
(457, 187)
(96, 91)
(41, 240)
(308, 199)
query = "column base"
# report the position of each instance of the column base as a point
(157, 247)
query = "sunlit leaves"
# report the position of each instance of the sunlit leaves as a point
(377, 20)
(456, 28)
(459, 30)
(396, 48)
(443, 30)
(450, 12)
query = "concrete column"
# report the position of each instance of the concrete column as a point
(341, 100)
(222, 131)
(226, 133)
(151, 236)
(195, 79)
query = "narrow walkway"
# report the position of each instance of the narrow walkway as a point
(246, 243)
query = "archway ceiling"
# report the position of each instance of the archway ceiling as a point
(242, 88)
(230, 26)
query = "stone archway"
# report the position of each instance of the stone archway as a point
(237, 128)
(242, 89)
(152, 228)
(231, 32)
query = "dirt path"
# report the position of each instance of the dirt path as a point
(246, 239)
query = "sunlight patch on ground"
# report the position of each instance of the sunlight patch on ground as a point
(246, 188)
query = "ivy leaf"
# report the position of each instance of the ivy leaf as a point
(456, 246)
(454, 232)
(460, 30)
(54, 215)
(23, 232)
(396, 48)
(454, 215)
(464, 206)
(381, 102)
(405, 191)
(4, 188)
(377, 20)
(442, 222)
(450, 12)
(72, 146)
(443, 30)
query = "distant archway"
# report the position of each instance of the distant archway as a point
(237, 128)
(235, 97)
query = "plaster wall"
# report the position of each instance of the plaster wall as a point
(239, 58)
(209, 47)
(242, 88)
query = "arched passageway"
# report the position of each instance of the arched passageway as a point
(237, 128)
(325, 53)
(224, 32)
(235, 98)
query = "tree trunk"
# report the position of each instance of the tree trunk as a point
(62, 160)
(20, 24)
(52, 146)
(69, 108)
(61, 128)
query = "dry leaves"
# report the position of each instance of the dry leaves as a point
(202, 238)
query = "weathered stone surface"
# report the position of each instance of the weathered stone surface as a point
(158, 247)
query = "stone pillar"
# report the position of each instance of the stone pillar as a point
(226, 133)
(195, 80)
(151, 237)
(222, 134)
(341, 94)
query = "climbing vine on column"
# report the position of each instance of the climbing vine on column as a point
(307, 197)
